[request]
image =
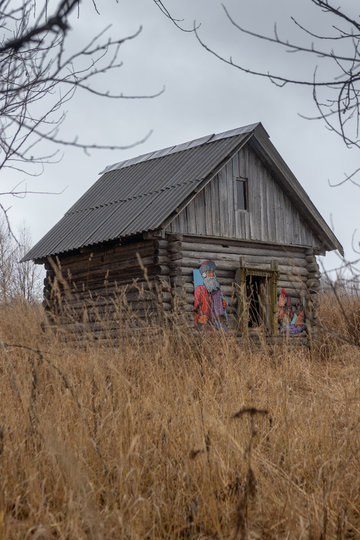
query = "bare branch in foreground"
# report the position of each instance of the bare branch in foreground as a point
(41, 72)
(332, 54)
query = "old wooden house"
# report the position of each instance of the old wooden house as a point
(229, 198)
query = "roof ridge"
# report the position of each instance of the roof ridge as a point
(181, 147)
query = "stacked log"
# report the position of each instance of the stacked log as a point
(291, 265)
(162, 286)
(106, 286)
(149, 279)
(186, 253)
(177, 280)
(313, 288)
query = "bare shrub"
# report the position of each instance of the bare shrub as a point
(339, 318)
(18, 281)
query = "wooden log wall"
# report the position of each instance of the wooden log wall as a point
(102, 287)
(178, 302)
(312, 288)
(296, 270)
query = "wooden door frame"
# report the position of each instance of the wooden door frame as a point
(243, 309)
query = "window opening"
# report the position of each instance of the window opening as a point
(242, 193)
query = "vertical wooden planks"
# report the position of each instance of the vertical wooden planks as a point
(231, 193)
(269, 228)
(199, 210)
(190, 217)
(262, 181)
(271, 215)
(224, 199)
(209, 228)
(214, 197)
(255, 202)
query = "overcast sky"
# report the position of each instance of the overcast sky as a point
(202, 95)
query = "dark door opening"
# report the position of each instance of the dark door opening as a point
(256, 299)
(256, 291)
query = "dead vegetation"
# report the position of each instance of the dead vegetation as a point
(171, 435)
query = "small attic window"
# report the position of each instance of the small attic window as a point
(241, 194)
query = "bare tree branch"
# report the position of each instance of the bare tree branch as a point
(39, 74)
(336, 46)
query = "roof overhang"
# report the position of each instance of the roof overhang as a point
(259, 140)
(119, 205)
(261, 144)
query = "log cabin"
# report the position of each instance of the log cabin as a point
(151, 220)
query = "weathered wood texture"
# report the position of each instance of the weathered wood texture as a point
(313, 287)
(102, 287)
(190, 251)
(271, 216)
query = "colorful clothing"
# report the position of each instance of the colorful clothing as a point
(209, 304)
(217, 305)
(292, 319)
(202, 305)
(281, 304)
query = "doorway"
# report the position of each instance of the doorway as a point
(257, 300)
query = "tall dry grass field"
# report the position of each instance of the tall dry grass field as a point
(170, 435)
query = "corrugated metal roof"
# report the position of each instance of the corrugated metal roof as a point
(139, 194)
(184, 146)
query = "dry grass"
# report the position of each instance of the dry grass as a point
(173, 436)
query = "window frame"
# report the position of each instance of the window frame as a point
(245, 183)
